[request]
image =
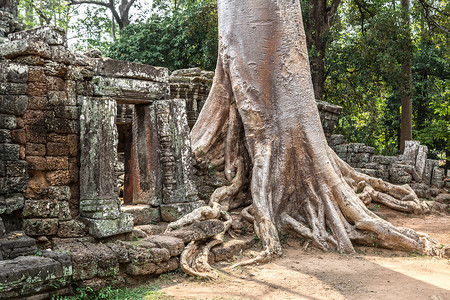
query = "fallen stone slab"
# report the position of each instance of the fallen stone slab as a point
(16, 244)
(173, 244)
(443, 198)
(28, 275)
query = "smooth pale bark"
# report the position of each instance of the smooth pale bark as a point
(261, 122)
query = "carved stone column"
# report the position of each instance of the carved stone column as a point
(99, 202)
(179, 191)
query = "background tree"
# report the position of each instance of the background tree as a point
(182, 38)
(45, 12)
(320, 14)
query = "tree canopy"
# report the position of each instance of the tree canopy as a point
(356, 55)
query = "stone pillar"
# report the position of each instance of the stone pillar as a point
(147, 181)
(179, 191)
(99, 202)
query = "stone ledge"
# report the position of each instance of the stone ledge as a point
(123, 69)
(105, 228)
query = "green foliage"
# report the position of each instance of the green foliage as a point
(183, 38)
(45, 12)
(143, 292)
(92, 29)
(363, 64)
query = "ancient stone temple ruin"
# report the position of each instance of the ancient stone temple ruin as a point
(97, 150)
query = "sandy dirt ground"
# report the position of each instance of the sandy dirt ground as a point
(370, 273)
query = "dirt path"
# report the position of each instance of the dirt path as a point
(369, 274)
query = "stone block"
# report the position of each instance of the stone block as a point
(59, 177)
(8, 121)
(13, 104)
(437, 179)
(37, 117)
(104, 209)
(10, 88)
(57, 149)
(53, 68)
(121, 250)
(36, 134)
(61, 193)
(131, 91)
(57, 163)
(411, 150)
(30, 60)
(104, 228)
(428, 170)
(57, 138)
(123, 69)
(443, 198)
(51, 35)
(63, 258)
(12, 72)
(16, 244)
(61, 54)
(36, 74)
(18, 136)
(17, 184)
(421, 160)
(142, 214)
(43, 276)
(58, 98)
(72, 228)
(41, 209)
(173, 244)
(37, 102)
(62, 125)
(152, 268)
(37, 227)
(18, 168)
(36, 163)
(5, 136)
(67, 112)
(106, 259)
(2, 233)
(55, 83)
(33, 149)
(172, 212)
(11, 203)
(84, 262)
(64, 211)
(72, 141)
(37, 89)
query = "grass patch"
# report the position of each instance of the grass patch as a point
(148, 292)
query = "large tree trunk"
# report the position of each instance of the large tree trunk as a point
(261, 122)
